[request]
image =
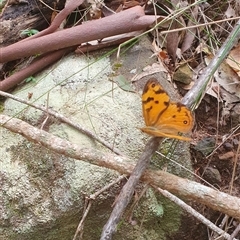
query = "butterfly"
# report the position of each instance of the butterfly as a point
(164, 118)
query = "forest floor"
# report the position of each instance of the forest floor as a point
(215, 148)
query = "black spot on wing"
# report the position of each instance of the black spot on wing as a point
(159, 91)
(153, 85)
(149, 99)
(145, 89)
(179, 106)
(166, 103)
(149, 109)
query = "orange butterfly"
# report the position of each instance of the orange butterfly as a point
(162, 117)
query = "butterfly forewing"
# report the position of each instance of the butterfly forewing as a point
(154, 102)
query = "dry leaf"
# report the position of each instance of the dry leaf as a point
(230, 12)
(226, 155)
(173, 38)
(123, 83)
(154, 68)
(226, 78)
(233, 59)
(226, 89)
(191, 33)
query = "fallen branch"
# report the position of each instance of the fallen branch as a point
(130, 20)
(49, 58)
(34, 67)
(128, 189)
(185, 188)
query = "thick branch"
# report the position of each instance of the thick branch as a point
(129, 20)
(49, 58)
(35, 67)
(57, 21)
(182, 187)
(127, 191)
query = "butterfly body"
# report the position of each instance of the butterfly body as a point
(162, 117)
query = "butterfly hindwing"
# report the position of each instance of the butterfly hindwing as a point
(176, 118)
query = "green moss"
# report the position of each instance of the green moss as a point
(40, 162)
(155, 216)
(1, 107)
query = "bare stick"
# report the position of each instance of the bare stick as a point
(235, 232)
(196, 214)
(199, 25)
(63, 119)
(127, 191)
(90, 200)
(36, 66)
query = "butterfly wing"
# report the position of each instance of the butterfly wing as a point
(162, 117)
(157, 133)
(154, 101)
(176, 118)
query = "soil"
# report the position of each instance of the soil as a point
(221, 152)
(219, 165)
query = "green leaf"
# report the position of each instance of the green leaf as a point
(123, 83)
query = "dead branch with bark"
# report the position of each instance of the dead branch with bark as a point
(185, 188)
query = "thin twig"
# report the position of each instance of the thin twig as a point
(194, 174)
(89, 201)
(236, 159)
(199, 25)
(47, 111)
(235, 232)
(228, 137)
(130, 213)
(194, 213)
(63, 119)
